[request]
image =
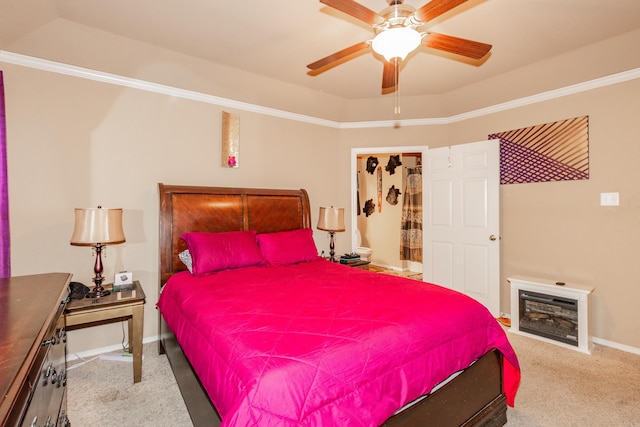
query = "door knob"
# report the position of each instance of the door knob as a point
(492, 237)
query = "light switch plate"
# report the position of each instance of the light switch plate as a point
(609, 199)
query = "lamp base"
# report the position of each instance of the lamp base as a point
(98, 293)
(332, 246)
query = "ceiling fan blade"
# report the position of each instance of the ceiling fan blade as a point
(464, 47)
(390, 75)
(435, 8)
(335, 57)
(356, 10)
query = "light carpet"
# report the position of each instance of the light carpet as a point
(563, 387)
(101, 393)
(560, 387)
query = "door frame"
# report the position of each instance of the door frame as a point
(422, 149)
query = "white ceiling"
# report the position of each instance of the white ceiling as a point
(278, 38)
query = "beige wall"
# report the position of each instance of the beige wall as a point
(558, 230)
(74, 142)
(77, 143)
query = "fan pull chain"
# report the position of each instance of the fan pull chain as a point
(396, 73)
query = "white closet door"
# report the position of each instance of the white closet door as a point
(462, 207)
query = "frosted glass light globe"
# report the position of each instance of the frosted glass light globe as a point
(396, 42)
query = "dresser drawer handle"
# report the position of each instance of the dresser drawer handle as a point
(52, 341)
(49, 370)
(54, 377)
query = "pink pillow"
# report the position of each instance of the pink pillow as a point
(211, 252)
(288, 247)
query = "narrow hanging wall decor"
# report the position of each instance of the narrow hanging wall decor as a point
(230, 140)
(379, 179)
(556, 151)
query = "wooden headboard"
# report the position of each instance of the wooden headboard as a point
(218, 209)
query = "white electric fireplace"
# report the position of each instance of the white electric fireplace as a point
(552, 311)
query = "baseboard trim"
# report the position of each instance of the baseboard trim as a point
(617, 346)
(107, 349)
(599, 341)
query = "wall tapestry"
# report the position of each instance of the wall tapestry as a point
(557, 151)
(230, 140)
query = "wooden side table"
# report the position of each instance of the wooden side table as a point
(115, 307)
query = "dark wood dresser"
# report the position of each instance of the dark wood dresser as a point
(33, 373)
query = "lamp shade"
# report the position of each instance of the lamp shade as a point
(331, 219)
(396, 42)
(97, 225)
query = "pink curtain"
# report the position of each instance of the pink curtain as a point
(5, 244)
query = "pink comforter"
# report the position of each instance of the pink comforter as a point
(319, 343)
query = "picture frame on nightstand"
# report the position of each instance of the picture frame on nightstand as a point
(123, 281)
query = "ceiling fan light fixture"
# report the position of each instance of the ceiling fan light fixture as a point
(396, 42)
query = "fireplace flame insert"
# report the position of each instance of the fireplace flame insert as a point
(549, 316)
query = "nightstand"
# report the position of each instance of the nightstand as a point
(115, 307)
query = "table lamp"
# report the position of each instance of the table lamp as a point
(331, 220)
(97, 227)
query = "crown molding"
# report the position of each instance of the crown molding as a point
(114, 79)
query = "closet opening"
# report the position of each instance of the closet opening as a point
(387, 214)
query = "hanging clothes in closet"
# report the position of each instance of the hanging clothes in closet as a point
(411, 227)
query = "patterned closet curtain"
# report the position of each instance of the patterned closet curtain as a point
(411, 228)
(5, 248)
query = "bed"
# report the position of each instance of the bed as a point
(233, 336)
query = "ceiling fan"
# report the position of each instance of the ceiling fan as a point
(397, 30)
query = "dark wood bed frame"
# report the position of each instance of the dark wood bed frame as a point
(473, 398)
